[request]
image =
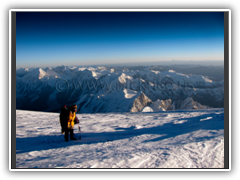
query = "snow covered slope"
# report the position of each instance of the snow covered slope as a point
(167, 139)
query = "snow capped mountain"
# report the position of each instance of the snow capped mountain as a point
(129, 93)
(50, 72)
(22, 71)
(35, 74)
(115, 89)
(123, 78)
(161, 105)
(63, 69)
(189, 103)
(167, 105)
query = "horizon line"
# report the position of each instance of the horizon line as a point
(133, 63)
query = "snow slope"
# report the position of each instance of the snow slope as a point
(166, 139)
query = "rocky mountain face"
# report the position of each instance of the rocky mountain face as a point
(140, 102)
(168, 105)
(114, 89)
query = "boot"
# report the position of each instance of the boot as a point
(71, 135)
(63, 130)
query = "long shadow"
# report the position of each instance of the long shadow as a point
(204, 122)
(167, 130)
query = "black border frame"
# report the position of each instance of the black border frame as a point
(13, 89)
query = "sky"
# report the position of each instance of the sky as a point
(93, 38)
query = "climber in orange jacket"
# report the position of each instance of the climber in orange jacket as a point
(72, 120)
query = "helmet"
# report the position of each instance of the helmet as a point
(74, 107)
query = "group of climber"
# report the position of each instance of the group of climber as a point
(68, 119)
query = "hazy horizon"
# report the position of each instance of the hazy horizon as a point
(153, 63)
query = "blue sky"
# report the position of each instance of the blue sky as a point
(93, 38)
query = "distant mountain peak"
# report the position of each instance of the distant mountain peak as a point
(118, 89)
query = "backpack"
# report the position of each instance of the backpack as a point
(76, 121)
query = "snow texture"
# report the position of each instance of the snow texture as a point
(164, 139)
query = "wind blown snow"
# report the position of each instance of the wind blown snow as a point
(169, 139)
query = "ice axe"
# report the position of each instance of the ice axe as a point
(79, 131)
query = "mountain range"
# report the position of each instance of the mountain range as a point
(100, 89)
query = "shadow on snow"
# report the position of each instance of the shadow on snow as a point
(167, 130)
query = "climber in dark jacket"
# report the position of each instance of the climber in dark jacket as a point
(64, 115)
(67, 120)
